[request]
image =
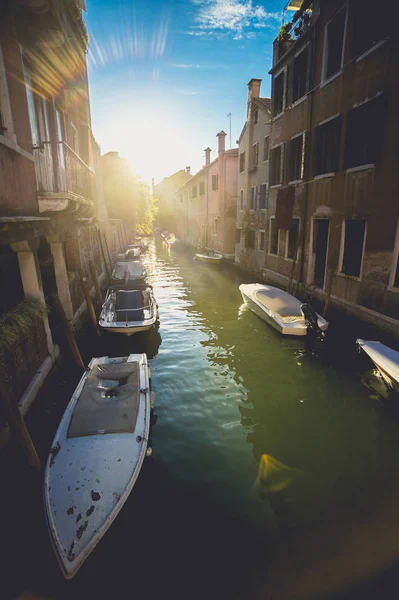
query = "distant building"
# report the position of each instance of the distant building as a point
(205, 206)
(333, 201)
(253, 182)
(164, 193)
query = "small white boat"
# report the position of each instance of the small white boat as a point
(129, 270)
(128, 311)
(385, 359)
(281, 310)
(97, 454)
(211, 258)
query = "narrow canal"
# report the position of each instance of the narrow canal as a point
(230, 389)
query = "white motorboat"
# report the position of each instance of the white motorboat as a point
(97, 454)
(129, 270)
(281, 310)
(128, 311)
(211, 258)
(385, 359)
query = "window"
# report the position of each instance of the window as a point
(30, 96)
(263, 195)
(250, 239)
(202, 188)
(279, 93)
(292, 241)
(354, 233)
(370, 26)
(252, 199)
(60, 140)
(297, 158)
(255, 115)
(261, 241)
(241, 199)
(6, 122)
(215, 182)
(276, 165)
(215, 225)
(273, 237)
(266, 148)
(75, 139)
(194, 191)
(255, 154)
(364, 133)
(242, 162)
(328, 138)
(238, 236)
(300, 75)
(333, 55)
(46, 126)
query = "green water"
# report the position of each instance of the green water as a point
(230, 389)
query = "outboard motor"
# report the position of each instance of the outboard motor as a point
(311, 318)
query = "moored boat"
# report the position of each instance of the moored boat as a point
(128, 311)
(210, 258)
(385, 359)
(96, 456)
(281, 310)
(128, 271)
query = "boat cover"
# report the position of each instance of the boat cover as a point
(129, 299)
(279, 302)
(134, 268)
(109, 401)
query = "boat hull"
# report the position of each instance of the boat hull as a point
(89, 478)
(385, 359)
(127, 330)
(209, 260)
(298, 329)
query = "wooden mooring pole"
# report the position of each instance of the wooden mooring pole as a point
(109, 256)
(103, 255)
(89, 301)
(18, 428)
(96, 284)
(70, 336)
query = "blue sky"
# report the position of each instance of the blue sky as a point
(164, 75)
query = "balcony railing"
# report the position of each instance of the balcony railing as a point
(71, 181)
(79, 177)
(293, 30)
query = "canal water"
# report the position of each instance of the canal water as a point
(232, 394)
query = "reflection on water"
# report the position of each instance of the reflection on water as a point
(230, 390)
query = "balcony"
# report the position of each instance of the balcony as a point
(70, 187)
(293, 30)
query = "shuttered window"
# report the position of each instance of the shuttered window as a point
(328, 137)
(364, 133)
(276, 165)
(263, 195)
(354, 232)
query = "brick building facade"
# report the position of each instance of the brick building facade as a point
(333, 155)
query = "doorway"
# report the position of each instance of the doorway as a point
(321, 228)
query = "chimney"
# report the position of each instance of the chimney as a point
(207, 157)
(222, 142)
(253, 92)
(188, 169)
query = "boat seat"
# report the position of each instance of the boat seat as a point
(129, 305)
(107, 408)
